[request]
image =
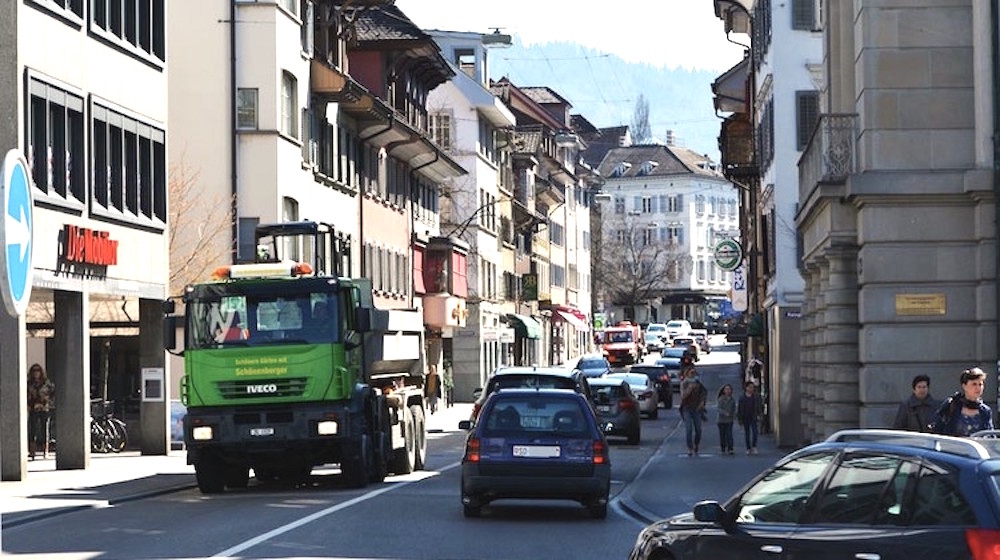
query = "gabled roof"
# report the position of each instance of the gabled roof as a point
(544, 95)
(386, 28)
(386, 23)
(667, 160)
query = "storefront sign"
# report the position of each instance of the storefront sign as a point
(91, 247)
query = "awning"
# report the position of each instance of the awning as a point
(525, 325)
(572, 319)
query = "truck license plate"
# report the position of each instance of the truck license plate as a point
(262, 431)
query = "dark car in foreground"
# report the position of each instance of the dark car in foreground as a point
(535, 444)
(661, 378)
(877, 494)
(530, 377)
(617, 407)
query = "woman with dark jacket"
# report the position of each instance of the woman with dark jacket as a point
(916, 413)
(965, 413)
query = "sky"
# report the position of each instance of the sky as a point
(662, 33)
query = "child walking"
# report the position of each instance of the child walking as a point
(748, 413)
(726, 406)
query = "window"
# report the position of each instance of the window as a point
(806, 116)
(557, 234)
(292, 6)
(136, 25)
(674, 203)
(619, 205)
(246, 108)
(307, 34)
(465, 59)
(647, 205)
(441, 129)
(780, 496)
(129, 166)
(72, 6)
(860, 491)
(648, 236)
(289, 105)
(56, 142)
(804, 15)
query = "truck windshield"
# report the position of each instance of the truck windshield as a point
(254, 320)
(620, 336)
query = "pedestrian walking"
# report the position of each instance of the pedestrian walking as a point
(693, 398)
(964, 413)
(748, 410)
(432, 388)
(41, 398)
(726, 407)
(916, 412)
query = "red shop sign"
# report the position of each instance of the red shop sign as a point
(88, 246)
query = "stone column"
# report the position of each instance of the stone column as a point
(13, 397)
(154, 416)
(70, 371)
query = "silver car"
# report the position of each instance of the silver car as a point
(645, 391)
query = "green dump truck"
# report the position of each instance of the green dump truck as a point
(288, 366)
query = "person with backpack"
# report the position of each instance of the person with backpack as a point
(964, 413)
(748, 411)
(693, 398)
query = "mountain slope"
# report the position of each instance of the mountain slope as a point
(603, 88)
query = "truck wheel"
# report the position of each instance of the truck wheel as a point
(404, 458)
(211, 475)
(419, 437)
(237, 476)
(354, 469)
(380, 466)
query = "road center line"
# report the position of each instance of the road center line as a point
(321, 514)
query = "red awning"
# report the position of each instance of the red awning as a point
(571, 318)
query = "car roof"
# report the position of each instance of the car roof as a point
(535, 370)
(606, 381)
(543, 392)
(983, 445)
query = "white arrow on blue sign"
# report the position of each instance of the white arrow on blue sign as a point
(16, 233)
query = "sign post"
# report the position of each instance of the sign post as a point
(16, 233)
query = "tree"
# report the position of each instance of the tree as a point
(199, 229)
(641, 132)
(634, 265)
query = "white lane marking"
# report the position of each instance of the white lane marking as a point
(404, 481)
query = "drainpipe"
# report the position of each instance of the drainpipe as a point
(233, 158)
(995, 60)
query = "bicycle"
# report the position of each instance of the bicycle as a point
(107, 433)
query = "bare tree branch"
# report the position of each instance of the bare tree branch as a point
(199, 236)
(635, 265)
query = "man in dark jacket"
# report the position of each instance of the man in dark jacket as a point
(916, 413)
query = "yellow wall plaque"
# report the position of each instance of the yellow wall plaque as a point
(921, 304)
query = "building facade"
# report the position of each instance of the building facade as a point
(665, 209)
(87, 108)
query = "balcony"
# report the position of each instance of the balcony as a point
(831, 155)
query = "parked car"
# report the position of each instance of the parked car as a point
(672, 358)
(644, 389)
(689, 343)
(678, 327)
(530, 377)
(617, 407)
(653, 342)
(535, 444)
(701, 339)
(661, 379)
(660, 330)
(593, 366)
(859, 494)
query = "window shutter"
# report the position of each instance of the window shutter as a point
(807, 105)
(637, 203)
(803, 15)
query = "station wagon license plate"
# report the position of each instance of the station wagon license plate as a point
(262, 431)
(536, 451)
(604, 408)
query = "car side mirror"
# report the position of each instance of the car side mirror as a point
(465, 425)
(709, 511)
(477, 392)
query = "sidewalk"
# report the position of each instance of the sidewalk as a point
(116, 478)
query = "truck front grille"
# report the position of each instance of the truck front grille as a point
(283, 387)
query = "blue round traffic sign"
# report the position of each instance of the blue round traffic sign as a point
(16, 233)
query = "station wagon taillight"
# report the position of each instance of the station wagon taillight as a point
(983, 543)
(600, 452)
(626, 404)
(471, 451)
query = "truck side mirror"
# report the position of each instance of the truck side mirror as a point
(362, 319)
(170, 323)
(352, 340)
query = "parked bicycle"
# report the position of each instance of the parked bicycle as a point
(107, 433)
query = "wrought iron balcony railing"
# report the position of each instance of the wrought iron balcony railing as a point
(831, 155)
